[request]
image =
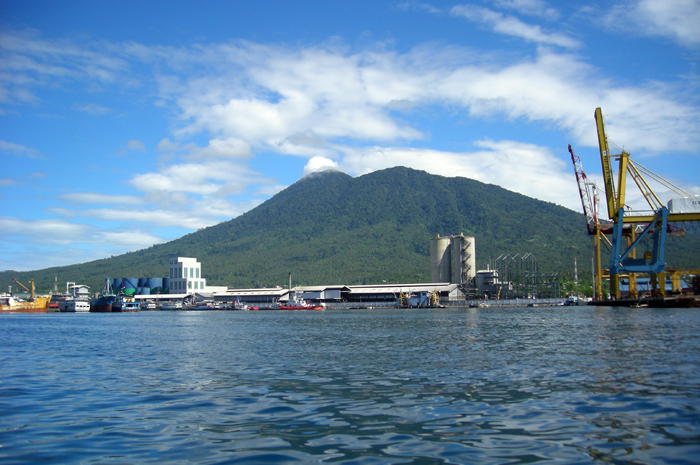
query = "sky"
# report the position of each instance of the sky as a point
(128, 124)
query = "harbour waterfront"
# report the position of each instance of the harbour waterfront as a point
(382, 386)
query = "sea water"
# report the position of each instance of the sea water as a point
(488, 385)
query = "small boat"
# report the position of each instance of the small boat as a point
(171, 305)
(297, 302)
(124, 304)
(148, 305)
(238, 305)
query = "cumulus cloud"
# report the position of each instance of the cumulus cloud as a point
(231, 148)
(353, 109)
(317, 164)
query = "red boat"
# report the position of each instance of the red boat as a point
(298, 303)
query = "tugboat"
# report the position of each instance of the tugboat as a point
(298, 303)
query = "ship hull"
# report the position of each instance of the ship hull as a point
(102, 304)
(39, 305)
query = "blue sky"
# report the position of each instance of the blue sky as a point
(127, 124)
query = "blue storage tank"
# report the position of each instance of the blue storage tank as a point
(130, 285)
(142, 282)
(155, 282)
(166, 286)
(116, 284)
(144, 290)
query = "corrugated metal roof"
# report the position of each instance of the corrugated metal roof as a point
(398, 288)
(243, 292)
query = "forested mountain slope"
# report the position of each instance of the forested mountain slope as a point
(330, 228)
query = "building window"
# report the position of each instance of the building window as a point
(189, 285)
(197, 273)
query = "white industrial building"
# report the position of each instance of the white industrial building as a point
(186, 277)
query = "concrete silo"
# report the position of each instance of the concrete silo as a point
(440, 259)
(453, 260)
(463, 260)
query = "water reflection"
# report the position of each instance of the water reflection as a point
(444, 386)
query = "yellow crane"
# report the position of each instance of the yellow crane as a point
(31, 283)
(631, 226)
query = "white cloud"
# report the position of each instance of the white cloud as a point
(525, 168)
(530, 7)
(18, 149)
(62, 232)
(93, 109)
(136, 145)
(232, 148)
(7, 182)
(675, 19)
(512, 26)
(316, 164)
(95, 198)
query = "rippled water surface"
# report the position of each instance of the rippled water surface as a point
(574, 385)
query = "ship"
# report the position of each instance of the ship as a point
(74, 305)
(296, 302)
(8, 304)
(103, 302)
(125, 304)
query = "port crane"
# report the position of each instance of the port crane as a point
(630, 227)
(589, 200)
(31, 283)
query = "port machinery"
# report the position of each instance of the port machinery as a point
(627, 228)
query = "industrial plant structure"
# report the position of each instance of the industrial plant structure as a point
(453, 260)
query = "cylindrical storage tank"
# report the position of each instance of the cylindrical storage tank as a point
(440, 259)
(469, 273)
(143, 282)
(463, 259)
(155, 282)
(130, 285)
(144, 290)
(116, 284)
(166, 286)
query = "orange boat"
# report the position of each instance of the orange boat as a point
(298, 303)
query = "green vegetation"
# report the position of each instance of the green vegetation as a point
(330, 228)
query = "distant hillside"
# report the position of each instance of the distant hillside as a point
(330, 228)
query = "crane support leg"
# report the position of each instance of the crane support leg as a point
(622, 261)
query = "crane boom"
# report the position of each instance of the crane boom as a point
(31, 283)
(586, 201)
(605, 160)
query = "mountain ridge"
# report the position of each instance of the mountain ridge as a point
(331, 228)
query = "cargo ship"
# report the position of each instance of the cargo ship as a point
(8, 304)
(103, 302)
